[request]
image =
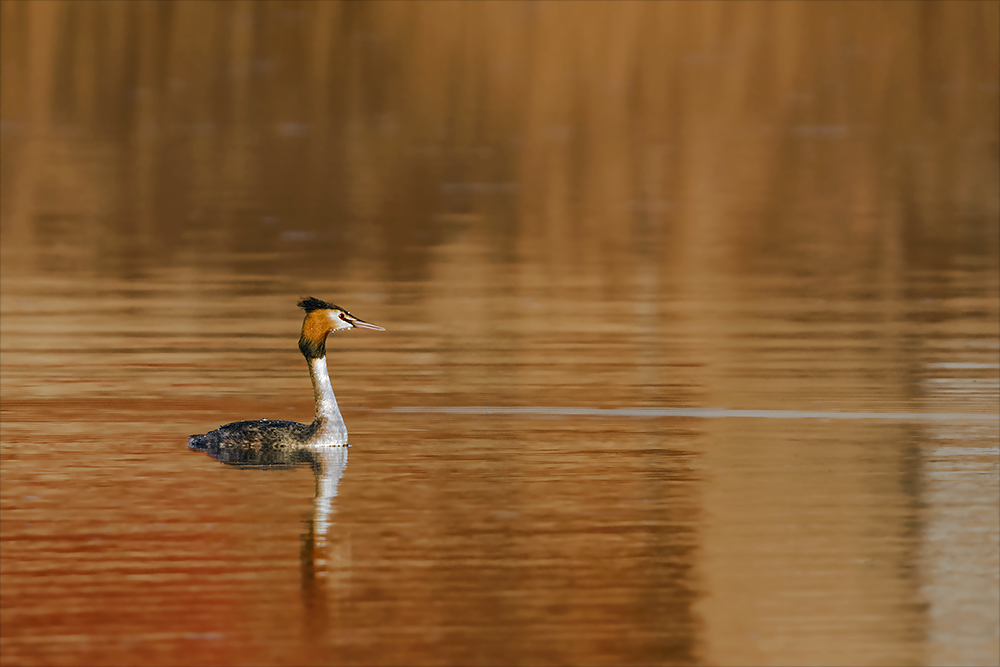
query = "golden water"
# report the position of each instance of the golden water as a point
(692, 347)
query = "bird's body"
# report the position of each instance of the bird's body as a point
(258, 435)
(328, 429)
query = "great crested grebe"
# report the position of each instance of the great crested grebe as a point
(328, 428)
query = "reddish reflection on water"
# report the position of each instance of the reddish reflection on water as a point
(788, 226)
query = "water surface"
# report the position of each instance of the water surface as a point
(692, 348)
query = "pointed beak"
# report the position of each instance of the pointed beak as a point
(361, 324)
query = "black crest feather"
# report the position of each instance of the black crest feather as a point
(312, 303)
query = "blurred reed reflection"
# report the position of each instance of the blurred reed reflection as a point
(844, 134)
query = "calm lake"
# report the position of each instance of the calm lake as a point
(692, 348)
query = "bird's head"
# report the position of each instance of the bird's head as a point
(323, 318)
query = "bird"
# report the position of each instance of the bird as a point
(328, 428)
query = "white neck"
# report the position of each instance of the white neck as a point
(332, 430)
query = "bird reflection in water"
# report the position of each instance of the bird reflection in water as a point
(316, 557)
(327, 464)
